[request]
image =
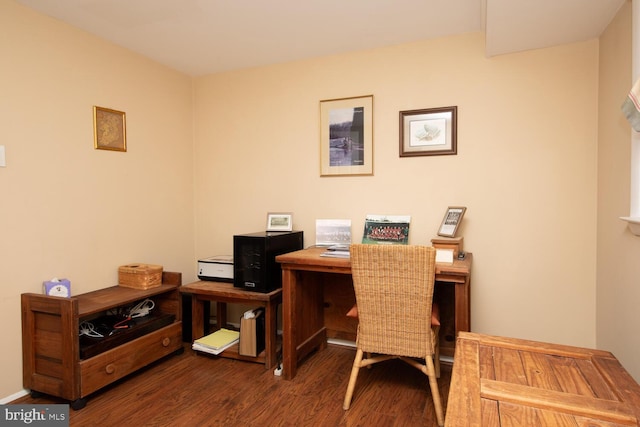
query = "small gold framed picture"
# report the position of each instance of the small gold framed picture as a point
(109, 129)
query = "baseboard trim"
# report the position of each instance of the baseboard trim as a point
(13, 397)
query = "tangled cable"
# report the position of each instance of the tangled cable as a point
(87, 329)
(139, 310)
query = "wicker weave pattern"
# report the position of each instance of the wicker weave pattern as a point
(394, 292)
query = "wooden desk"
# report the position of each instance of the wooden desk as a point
(503, 381)
(303, 321)
(204, 291)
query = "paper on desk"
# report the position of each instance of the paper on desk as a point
(336, 254)
(444, 256)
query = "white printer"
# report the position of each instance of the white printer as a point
(216, 268)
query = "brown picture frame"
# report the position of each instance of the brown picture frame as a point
(429, 132)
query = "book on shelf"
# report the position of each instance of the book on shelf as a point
(210, 350)
(217, 342)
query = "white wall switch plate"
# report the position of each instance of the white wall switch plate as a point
(3, 160)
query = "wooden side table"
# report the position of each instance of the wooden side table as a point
(202, 292)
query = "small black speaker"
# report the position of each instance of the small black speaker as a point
(254, 258)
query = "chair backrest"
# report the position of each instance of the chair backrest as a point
(394, 293)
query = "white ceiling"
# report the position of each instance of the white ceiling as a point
(200, 37)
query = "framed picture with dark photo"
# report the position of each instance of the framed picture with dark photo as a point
(451, 221)
(346, 136)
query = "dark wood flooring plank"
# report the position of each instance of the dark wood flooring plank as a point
(200, 390)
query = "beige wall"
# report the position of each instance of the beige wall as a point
(526, 166)
(68, 210)
(618, 292)
(209, 161)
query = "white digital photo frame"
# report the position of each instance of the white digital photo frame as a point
(278, 221)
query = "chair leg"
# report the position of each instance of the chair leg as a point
(352, 380)
(436, 349)
(435, 392)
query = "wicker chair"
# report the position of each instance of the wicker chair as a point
(394, 292)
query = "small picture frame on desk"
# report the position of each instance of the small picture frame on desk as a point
(279, 221)
(451, 221)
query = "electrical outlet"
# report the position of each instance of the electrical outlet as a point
(3, 160)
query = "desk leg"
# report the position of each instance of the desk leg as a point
(221, 315)
(197, 317)
(463, 306)
(289, 356)
(270, 334)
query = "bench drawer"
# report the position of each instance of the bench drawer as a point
(114, 364)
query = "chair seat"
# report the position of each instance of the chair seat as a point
(435, 313)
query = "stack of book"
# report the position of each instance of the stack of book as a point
(216, 342)
(337, 251)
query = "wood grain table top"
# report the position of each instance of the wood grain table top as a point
(504, 381)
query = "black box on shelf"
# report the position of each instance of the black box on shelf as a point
(254, 256)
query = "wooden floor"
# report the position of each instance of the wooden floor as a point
(200, 390)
